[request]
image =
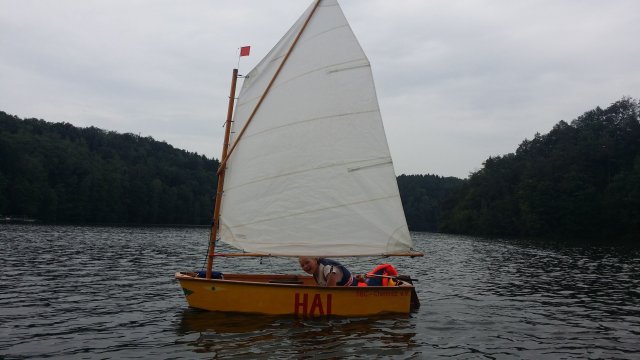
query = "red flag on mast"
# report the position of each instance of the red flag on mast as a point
(244, 51)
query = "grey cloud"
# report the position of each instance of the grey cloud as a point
(458, 81)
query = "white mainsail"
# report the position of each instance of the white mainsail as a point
(312, 175)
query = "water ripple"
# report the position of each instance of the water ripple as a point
(108, 292)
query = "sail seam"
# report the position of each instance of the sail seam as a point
(305, 171)
(315, 211)
(348, 68)
(328, 30)
(370, 166)
(301, 122)
(241, 104)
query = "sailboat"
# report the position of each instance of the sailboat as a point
(306, 171)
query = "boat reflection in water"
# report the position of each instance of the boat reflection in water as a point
(237, 334)
(200, 321)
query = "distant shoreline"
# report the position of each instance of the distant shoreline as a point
(17, 221)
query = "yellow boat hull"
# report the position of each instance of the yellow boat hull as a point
(291, 295)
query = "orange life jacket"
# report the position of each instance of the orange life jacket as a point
(384, 269)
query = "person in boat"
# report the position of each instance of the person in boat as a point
(327, 272)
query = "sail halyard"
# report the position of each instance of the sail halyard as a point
(313, 174)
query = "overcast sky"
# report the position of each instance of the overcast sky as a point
(457, 81)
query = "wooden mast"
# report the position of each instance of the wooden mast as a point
(215, 226)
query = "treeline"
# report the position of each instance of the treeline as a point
(579, 181)
(55, 172)
(424, 197)
(59, 173)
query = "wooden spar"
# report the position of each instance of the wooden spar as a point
(418, 254)
(264, 95)
(215, 226)
(241, 255)
(388, 277)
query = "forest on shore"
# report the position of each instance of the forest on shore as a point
(579, 181)
(59, 173)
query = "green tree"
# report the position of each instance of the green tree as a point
(577, 181)
(55, 172)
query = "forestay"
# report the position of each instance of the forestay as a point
(312, 174)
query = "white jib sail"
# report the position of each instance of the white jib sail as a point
(312, 175)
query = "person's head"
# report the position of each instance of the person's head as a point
(308, 264)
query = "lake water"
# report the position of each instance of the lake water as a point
(108, 292)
